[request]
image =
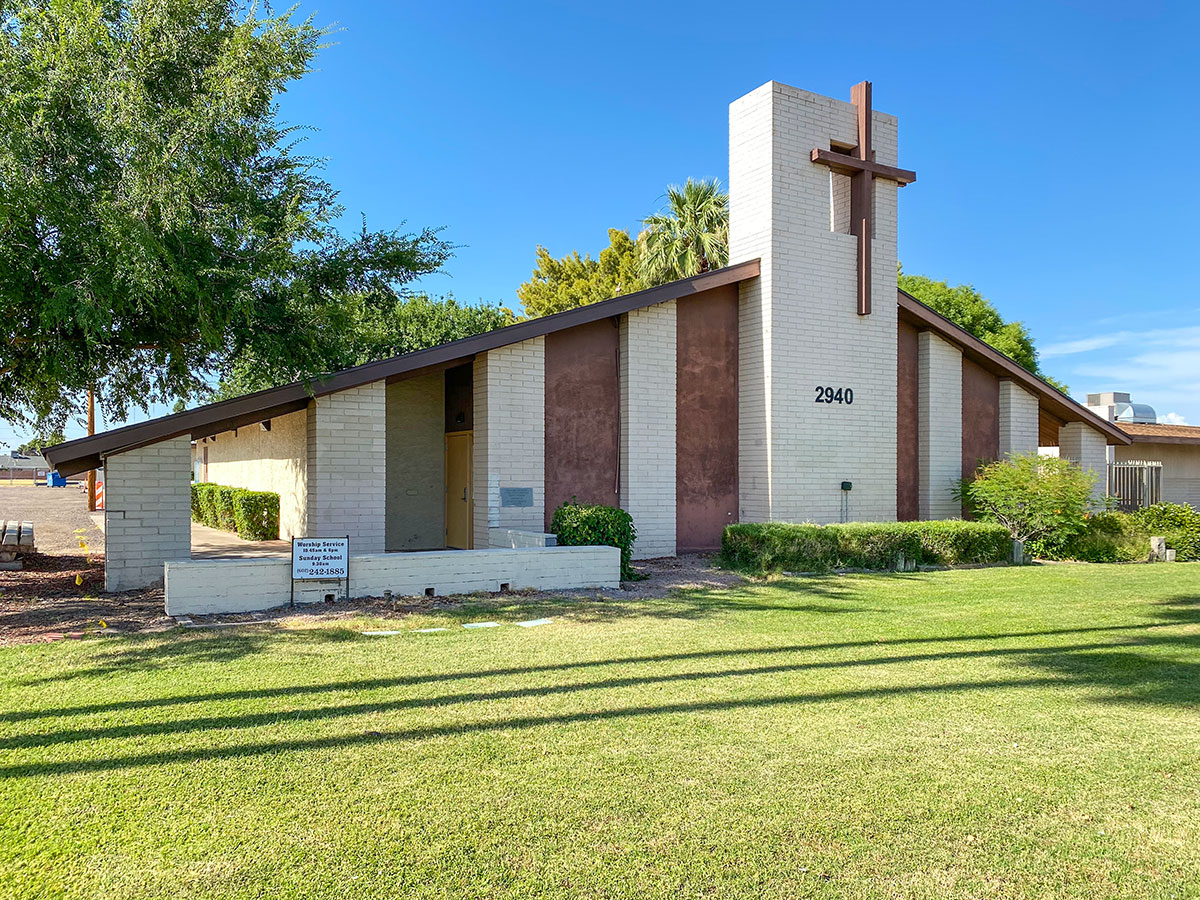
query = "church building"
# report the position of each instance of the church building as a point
(796, 384)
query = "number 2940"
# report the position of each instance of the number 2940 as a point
(834, 395)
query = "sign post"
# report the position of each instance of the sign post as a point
(320, 559)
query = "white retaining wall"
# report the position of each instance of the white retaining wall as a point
(147, 512)
(206, 586)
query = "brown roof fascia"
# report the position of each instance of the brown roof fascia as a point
(1163, 439)
(1150, 438)
(79, 455)
(1056, 402)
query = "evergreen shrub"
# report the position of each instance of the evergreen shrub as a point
(577, 525)
(783, 547)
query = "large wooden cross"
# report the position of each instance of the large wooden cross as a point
(859, 163)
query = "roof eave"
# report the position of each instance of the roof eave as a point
(72, 457)
(1056, 399)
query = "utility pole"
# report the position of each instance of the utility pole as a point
(91, 428)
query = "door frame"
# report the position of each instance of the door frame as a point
(469, 434)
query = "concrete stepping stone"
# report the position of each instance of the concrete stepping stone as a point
(533, 623)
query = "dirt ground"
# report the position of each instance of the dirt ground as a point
(61, 596)
(60, 592)
(60, 516)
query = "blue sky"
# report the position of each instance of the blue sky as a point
(1053, 143)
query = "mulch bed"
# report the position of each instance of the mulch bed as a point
(60, 596)
(56, 596)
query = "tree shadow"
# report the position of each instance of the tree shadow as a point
(1131, 663)
(1142, 668)
(149, 653)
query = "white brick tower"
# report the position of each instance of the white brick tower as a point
(801, 324)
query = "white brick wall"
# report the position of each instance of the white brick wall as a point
(510, 436)
(147, 512)
(347, 448)
(939, 425)
(647, 378)
(206, 586)
(798, 322)
(1018, 419)
(1088, 448)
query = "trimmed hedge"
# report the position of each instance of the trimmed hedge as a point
(576, 525)
(254, 515)
(779, 546)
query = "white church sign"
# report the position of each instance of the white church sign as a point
(320, 558)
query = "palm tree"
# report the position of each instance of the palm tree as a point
(690, 236)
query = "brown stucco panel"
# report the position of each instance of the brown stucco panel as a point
(582, 415)
(706, 446)
(980, 417)
(908, 437)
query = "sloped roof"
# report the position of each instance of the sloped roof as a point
(1049, 397)
(1147, 433)
(86, 453)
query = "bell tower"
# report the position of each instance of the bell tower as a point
(812, 192)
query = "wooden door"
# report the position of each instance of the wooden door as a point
(459, 499)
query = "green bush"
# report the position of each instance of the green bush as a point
(204, 503)
(1178, 523)
(254, 515)
(576, 525)
(199, 488)
(1034, 497)
(223, 501)
(1107, 537)
(780, 546)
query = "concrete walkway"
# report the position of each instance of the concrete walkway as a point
(211, 543)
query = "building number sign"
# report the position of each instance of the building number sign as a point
(834, 395)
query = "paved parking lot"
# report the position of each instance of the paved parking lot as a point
(59, 515)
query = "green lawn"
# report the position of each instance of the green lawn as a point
(988, 733)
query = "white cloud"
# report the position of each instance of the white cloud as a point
(1159, 366)
(1172, 418)
(1187, 336)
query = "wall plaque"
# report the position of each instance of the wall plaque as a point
(516, 496)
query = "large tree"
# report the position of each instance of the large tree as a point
(968, 308)
(574, 280)
(157, 223)
(690, 236)
(367, 328)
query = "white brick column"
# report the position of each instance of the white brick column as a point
(147, 512)
(347, 464)
(798, 323)
(648, 341)
(1087, 448)
(510, 437)
(1019, 413)
(939, 426)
